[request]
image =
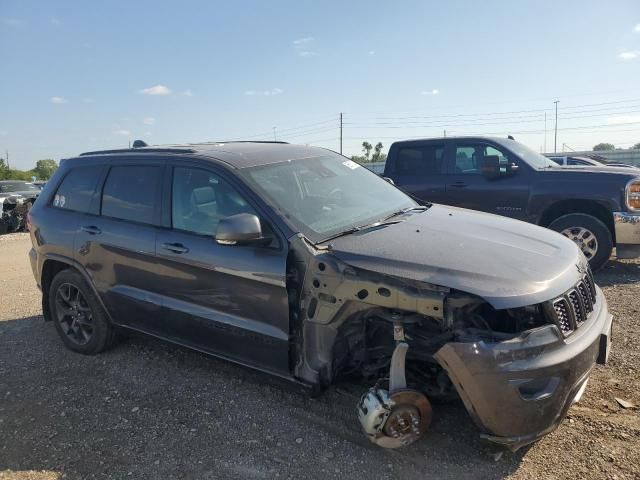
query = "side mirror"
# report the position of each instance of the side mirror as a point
(240, 229)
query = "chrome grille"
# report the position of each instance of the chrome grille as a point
(574, 307)
(561, 307)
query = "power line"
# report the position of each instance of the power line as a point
(513, 119)
(485, 114)
(282, 130)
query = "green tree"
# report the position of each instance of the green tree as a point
(366, 149)
(604, 146)
(636, 146)
(377, 152)
(45, 168)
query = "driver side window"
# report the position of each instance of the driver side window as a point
(469, 158)
(200, 199)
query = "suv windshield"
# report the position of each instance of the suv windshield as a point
(533, 158)
(7, 187)
(324, 196)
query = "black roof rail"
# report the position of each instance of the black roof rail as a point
(241, 141)
(141, 150)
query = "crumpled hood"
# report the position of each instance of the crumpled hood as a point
(507, 262)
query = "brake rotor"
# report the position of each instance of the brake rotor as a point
(408, 420)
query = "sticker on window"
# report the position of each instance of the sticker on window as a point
(350, 164)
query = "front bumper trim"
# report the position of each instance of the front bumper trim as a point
(520, 390)
(627, 228)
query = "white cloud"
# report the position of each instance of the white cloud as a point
(13, 22)
(623, 119)
(629, 55)
(637, 28)
(302, 41)
(187, 93)
(58, 100)
(156, 90)
(123, 132)
(149, 121)
(434, 91)
(304, 46)
(372, 52)
(264, 93)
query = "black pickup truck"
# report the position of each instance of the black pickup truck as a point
(598, 208)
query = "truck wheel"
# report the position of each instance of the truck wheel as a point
(590, 234)
(77, 314)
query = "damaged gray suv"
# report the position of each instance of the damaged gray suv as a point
(299, 262)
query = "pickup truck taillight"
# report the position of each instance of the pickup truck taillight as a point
(633, 195)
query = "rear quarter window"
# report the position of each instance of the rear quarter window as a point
(77, 188)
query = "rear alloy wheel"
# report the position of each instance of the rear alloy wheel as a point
(589, 233)
(78, 315)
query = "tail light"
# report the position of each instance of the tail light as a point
(28, 225)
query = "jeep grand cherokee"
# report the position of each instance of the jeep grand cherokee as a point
(297, 261)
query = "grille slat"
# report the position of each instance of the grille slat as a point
(575, 306)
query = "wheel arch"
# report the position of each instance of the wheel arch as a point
(588, 207)
(53, 265)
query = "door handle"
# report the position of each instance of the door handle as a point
(457, 185)
(91, 229)
(175, 247)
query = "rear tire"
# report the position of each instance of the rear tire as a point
(77, 314)
(589, 233)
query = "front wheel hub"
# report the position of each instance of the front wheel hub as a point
(584, 238)
(396, 420)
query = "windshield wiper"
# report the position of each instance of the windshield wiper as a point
(377, 223)
(421, 208)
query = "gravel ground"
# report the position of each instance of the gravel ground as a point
(147, 409)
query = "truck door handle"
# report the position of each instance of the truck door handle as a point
(91, 229)
(457, 185)
(175, 247)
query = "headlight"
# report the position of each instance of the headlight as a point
(633, 195)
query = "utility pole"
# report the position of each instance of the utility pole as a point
(545, 132)
(445, 133)
(275, 139)
(7, 155)
(340, 133)
(555, 139)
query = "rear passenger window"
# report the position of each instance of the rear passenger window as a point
(423, 160)
(130, 193)
(77, 188)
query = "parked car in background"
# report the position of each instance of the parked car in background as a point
(596, 207)
(16, 198)
(299, 262)
(580, 161)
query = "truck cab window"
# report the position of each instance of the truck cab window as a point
(420, 160)
(469, 158)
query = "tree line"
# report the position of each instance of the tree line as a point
(42, 171)
(367, 155)
(610, 146)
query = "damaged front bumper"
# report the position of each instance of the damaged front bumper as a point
(519, 390)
